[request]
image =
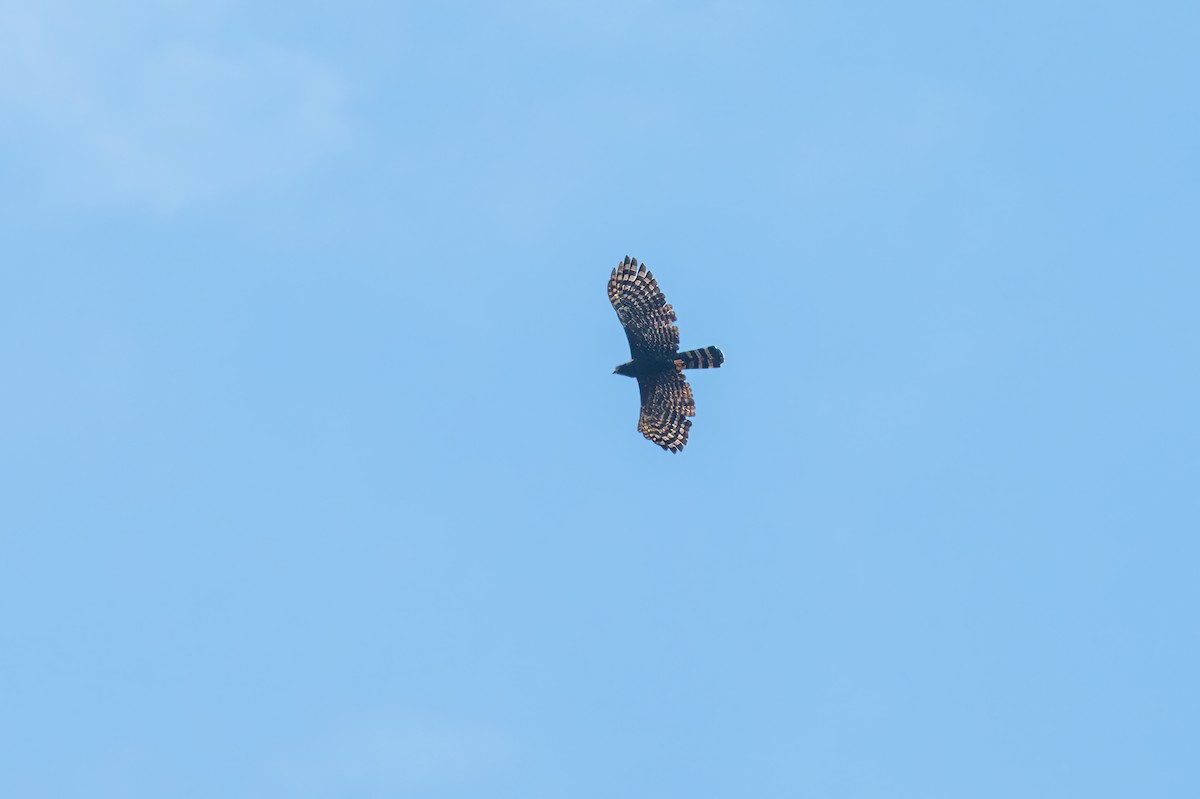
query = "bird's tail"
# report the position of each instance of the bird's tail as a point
(704, 358)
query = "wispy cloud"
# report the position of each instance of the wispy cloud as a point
(385, 756)
(145, 104)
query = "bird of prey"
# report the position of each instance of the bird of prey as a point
(656, 361)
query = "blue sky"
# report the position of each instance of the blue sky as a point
(316, 483)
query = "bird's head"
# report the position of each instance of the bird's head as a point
(624, 369)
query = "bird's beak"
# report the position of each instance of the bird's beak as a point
(614, 371)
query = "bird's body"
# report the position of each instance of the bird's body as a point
(656, 361)
(644, 367)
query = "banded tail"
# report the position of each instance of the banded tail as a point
(703, 358)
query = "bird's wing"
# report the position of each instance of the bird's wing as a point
(666, 405)
(643, 311)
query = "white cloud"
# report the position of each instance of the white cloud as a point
(146, 104)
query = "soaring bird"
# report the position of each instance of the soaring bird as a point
(656, 361)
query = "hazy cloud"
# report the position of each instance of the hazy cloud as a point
(141, 103)
(386, 756)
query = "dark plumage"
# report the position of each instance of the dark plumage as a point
(656, 361)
